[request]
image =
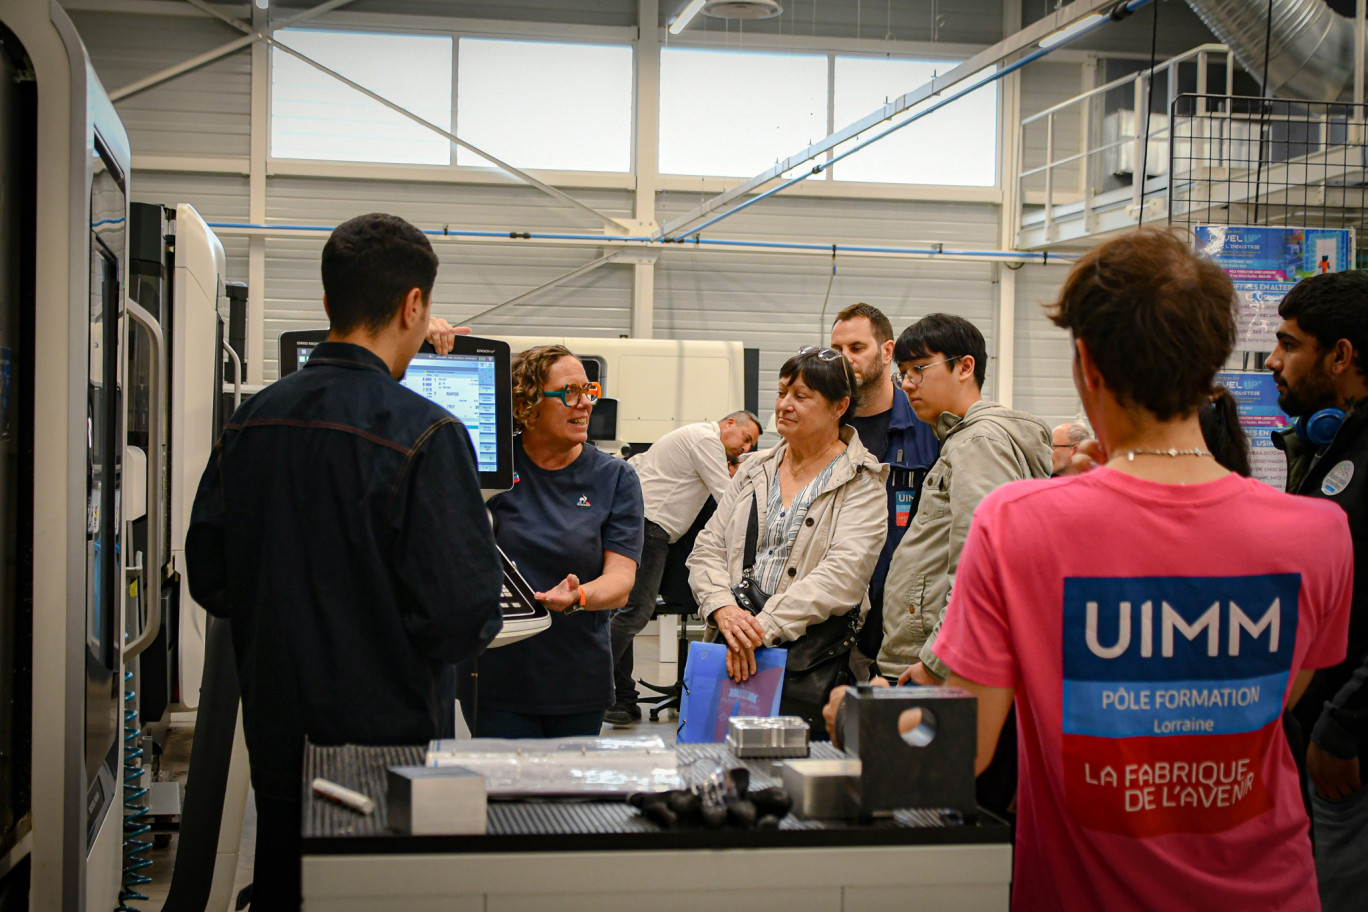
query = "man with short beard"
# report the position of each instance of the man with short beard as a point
(890, 430)
(1318, 366)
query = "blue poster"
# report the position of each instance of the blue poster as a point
(1275, 254)
(1256, 396)
(1265, 262)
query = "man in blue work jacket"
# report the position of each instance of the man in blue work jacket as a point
(339, 525)
(889, 429)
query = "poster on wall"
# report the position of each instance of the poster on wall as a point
(1257, 398)
(1265, 262)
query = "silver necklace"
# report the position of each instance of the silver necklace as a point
(1174, 452)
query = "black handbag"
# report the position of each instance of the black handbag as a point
(818, 661)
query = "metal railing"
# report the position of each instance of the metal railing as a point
(1074, 182)
(1257, 161)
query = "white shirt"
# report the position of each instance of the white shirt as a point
(679, 472)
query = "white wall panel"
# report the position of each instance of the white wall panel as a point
(773, 302)
(576, 12)
(1044, 377)
(216, 197)
(516, 207)
(473, 277)
(469, 280)
(205, 112)
(965, 21)
(1043, 85)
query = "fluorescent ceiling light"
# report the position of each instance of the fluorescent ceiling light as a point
(681, 22)
(1072, 31)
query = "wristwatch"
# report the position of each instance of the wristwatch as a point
(576, 608)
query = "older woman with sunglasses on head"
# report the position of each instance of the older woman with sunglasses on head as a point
(572, 523)
(787, 557)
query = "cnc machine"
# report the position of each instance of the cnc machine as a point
(64, 161)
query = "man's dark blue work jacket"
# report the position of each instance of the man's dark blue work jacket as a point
(912, 450)
(339, 525)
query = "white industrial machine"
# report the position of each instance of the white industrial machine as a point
(196, 375)
(91, 448)
(658, 384)
(177, 270)
(64, 163)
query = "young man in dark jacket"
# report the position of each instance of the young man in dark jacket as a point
(1319, 368)
(339, 525)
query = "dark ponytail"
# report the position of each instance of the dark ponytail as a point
(1221, 430)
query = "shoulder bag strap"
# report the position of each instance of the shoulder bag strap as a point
(752, 536)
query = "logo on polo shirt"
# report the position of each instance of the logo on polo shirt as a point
(1173, 689)
(583, 501)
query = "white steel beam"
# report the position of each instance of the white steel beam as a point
(547, 286)
(647, 159)
(1027, 38)
(641, 244)
(199, 60)
(256, 206)
(264, 36)
(1009, 115)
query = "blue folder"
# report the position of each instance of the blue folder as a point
(711, 697)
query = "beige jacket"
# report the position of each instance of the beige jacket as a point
(990, 446)
(831, 560)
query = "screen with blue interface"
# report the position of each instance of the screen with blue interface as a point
(462, 384)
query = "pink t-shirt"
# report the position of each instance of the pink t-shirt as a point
(1151, 633)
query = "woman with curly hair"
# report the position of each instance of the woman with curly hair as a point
(572, 523)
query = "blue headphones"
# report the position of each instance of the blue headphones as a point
(1319, 428)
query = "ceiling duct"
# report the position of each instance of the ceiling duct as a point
(1312, 56)
(742, 9)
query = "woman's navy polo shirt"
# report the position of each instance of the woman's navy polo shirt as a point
(555, 522)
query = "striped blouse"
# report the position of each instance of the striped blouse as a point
(782, 524)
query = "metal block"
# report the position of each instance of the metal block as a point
(932, 766)
(821, 788)
(436, 801)
(761, 736)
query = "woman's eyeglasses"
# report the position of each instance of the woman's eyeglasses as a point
(823, 354)
(570, 396)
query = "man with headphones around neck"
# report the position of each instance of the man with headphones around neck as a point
(1319, 366)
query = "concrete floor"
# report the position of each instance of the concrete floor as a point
(176, 760)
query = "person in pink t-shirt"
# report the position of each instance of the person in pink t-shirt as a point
(1151, 619)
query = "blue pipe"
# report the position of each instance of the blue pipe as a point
(711, 242)
(1030, 58)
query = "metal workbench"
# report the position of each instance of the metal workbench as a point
(602, 855)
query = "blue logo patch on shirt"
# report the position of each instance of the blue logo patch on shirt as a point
(583, 501)
(1140, 653)
(516, 479)
(902, 506)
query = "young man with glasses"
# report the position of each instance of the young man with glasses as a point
(678, 474)
(943, 360)
(894, 434)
